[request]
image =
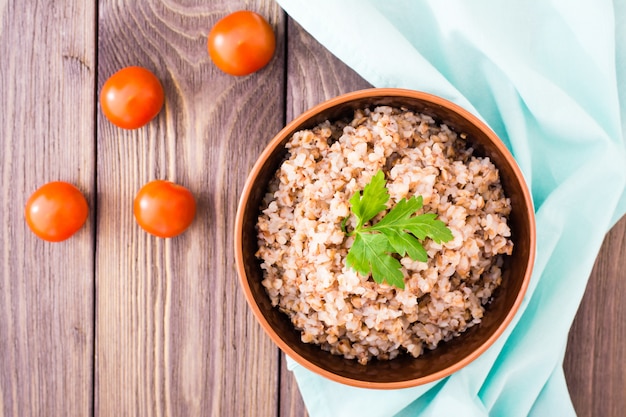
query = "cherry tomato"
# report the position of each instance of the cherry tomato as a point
(56, 211)
(241, 43)
(164, 209)
(131, 97)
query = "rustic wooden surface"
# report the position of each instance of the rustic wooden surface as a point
(47, 131)
(595, 360)
(114, 322)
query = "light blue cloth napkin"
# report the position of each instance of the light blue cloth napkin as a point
(550, 78)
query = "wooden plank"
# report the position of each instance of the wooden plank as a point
(313, 76)
(313, 73)
(47, 75)
(595, 360)
(174, 334)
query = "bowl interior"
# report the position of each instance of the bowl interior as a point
(403, 371)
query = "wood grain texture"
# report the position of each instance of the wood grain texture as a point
(595, 360)
(174, 334)
(313, 73)
(46, 289)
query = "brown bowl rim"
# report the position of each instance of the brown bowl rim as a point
(278, 139)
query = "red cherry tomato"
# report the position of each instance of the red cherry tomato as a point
(131, 97)
(241, 43)
(164, 209)
(56, 211)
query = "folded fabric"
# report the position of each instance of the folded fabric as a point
(550, 79)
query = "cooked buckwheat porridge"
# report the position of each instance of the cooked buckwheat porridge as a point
(303, 248)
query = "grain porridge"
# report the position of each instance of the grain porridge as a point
(303, 248)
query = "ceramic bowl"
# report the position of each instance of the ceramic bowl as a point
(403, 371)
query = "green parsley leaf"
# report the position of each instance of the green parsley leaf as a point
(399, 232)
(399, 220)
(373, 200)
(404, 243)
(371, 252)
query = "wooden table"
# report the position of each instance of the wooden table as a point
(114, 322)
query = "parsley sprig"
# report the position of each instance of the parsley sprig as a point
(398, 232)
